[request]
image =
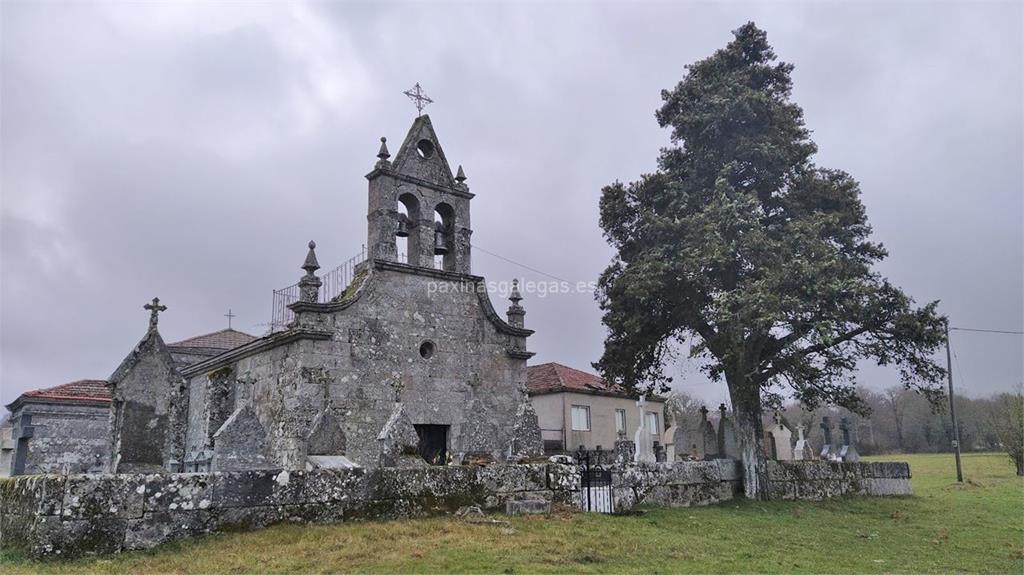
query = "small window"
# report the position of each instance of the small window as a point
(580, 418)
(652, 423)
(620, 421)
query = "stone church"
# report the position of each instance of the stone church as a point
(409, 365)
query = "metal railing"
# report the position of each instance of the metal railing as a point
(335, 282)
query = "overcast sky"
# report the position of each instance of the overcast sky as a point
(190, 152)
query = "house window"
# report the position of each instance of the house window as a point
(652, 423)
(620, 421)
(580, 418)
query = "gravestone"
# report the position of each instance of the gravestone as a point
(708, 437)
(479, 430)
(783, 440)
(803, 449)
(827, 451)
(241, 443)
(668, 438)
(642, 438)
(526, 439)
(682, 439)
(326, 436)
(669, 441)
(848, 452)
(399, 441)
(728, 446)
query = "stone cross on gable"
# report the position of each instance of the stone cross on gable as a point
(154, 310)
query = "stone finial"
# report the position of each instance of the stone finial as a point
(515, 313)
(154, 308)
(460, 177)
(309, 284)
(311, 265)
(383, 154)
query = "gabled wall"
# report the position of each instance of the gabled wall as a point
(147, 405)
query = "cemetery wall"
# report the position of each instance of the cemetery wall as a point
(70, 515)
(822, 479)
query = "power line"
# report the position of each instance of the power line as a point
(987, 330)
(513, 262)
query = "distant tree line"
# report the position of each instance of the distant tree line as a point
(902, 421)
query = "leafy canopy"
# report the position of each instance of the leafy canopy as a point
(741, 245)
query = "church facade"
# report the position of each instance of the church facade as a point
(409, 365)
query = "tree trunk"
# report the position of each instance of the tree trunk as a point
(750, 433)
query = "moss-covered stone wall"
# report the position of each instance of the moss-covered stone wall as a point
(68, 515)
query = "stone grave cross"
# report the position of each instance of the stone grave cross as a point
(642, 438)
(826, 431)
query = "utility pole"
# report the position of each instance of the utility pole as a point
(952, 409)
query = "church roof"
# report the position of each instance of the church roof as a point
(83, 390)
(224, 339)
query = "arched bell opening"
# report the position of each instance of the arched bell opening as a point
(444, 241)
(406, 240)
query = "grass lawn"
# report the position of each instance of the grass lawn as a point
(944, 527)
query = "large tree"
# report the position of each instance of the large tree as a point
(759, 260)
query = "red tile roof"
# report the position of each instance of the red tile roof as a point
(81, 390)
(555, 377)
(224, 339)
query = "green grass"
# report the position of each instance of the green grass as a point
(976, 527)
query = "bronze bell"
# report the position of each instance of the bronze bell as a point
(440, 239)
(403, 226)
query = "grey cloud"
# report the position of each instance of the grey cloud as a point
(191, 153)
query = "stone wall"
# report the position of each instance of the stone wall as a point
(679, 484)
(56, 515)
(822, 479)
(69, 515)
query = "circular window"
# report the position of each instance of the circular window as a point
(425, 148)
(427, 349)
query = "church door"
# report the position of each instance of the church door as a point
(433, 446)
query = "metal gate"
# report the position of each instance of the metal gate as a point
(595, 484)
